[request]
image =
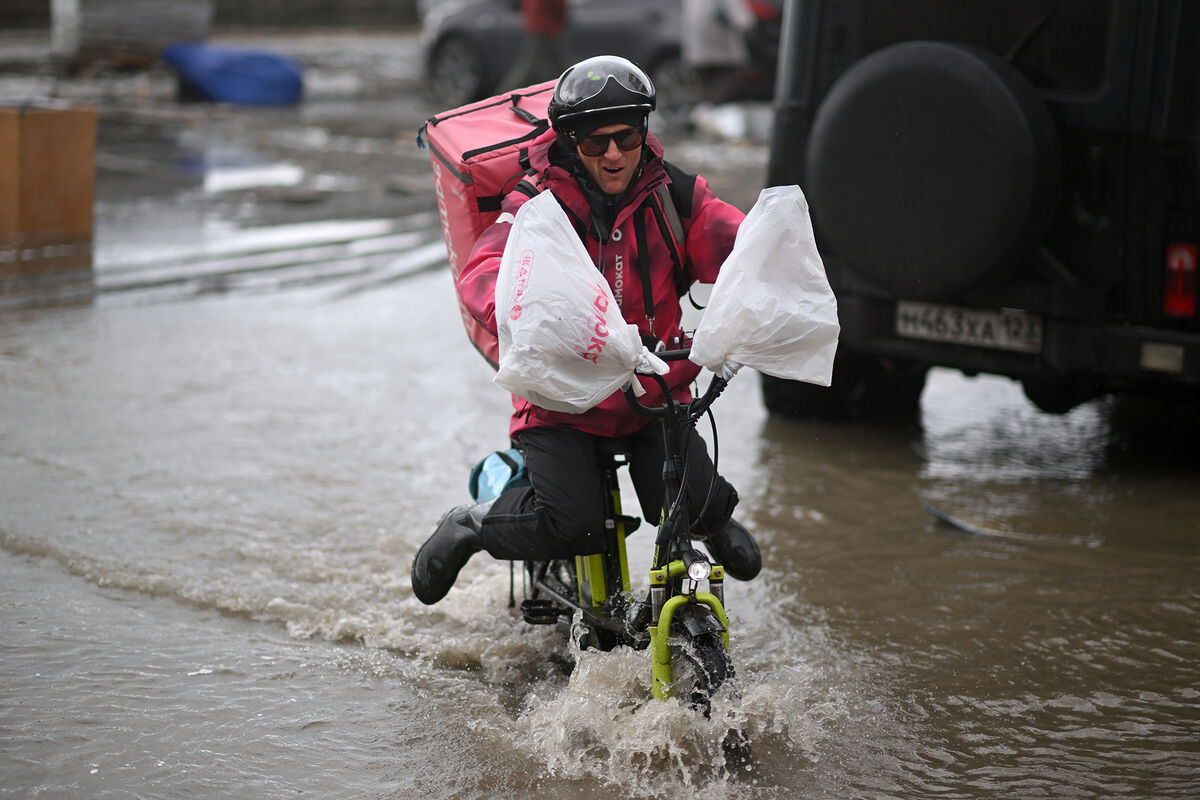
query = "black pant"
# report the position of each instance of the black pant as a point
(562, 513)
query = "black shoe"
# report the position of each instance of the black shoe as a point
(735, 549)
(637, 621)
(439, 560)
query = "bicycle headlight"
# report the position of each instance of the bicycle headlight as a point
(698, 566)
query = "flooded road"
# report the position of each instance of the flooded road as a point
(209, 508)
(213, 481)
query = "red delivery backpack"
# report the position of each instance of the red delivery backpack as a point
(480, 152)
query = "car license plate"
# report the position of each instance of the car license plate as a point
(1002, 330)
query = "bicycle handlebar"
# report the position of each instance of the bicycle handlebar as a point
(695, 408)
(674, 355)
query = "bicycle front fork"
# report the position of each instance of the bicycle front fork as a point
(663, 611)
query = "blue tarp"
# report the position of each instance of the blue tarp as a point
(231, 75)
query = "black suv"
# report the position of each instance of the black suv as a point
(1002, 186)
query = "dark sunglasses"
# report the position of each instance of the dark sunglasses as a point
(597, 143)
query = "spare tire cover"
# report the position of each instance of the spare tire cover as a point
(931, 166)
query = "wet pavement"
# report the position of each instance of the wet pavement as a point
(204, 193)
(216, 476)
(200, 196)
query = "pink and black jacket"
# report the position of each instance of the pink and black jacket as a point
(619, 245)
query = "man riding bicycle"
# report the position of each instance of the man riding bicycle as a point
(608, 174)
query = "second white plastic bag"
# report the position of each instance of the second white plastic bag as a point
(564, 345)
(771, 308)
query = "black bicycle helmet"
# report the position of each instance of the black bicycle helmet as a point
(599, 91)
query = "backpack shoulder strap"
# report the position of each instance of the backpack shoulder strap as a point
(683, 188)
(533, 183)
(529, 185)
(670, 202)
(669, 213)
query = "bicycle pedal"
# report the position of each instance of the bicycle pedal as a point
(540, 612)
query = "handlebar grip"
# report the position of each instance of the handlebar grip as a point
(674, 355)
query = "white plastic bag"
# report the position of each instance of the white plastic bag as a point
(564, 345)
(771, 307)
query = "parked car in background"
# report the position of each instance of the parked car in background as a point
(1001, 186)
(469, 45)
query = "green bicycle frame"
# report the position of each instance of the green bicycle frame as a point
(590, 569)
(601, 580)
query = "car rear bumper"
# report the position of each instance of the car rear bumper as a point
(1127, 357)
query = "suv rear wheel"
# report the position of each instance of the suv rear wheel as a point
(864, 388)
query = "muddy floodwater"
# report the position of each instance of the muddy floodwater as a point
(213, 481)
(209, 506)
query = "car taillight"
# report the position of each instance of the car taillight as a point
(1179, 283)
(764, 10)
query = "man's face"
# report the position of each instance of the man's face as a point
(613, 168)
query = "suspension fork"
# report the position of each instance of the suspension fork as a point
(662, 615)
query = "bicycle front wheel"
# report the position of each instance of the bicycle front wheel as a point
(701, 666)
